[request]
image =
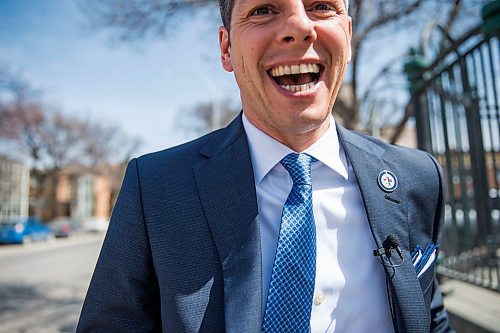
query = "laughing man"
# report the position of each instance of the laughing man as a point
(283, 221)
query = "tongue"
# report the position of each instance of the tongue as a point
(294, 79)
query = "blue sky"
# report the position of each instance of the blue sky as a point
(141, 87)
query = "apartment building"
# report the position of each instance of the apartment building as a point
(14, 189)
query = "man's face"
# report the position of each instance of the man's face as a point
(288, 57)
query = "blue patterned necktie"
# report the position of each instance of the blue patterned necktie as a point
(289, 300)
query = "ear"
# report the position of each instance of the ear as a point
(349, 37)
(225, 49)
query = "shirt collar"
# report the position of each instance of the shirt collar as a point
(257, 141)
(326, 150)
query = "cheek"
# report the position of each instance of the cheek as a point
(335, 37)
(247, 70)
(243, 57)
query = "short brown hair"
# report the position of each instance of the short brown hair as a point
(226, 11)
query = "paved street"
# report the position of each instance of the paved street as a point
(42, 285)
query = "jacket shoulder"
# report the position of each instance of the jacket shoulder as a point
(192, 152)
(184, 154)
(408, 160)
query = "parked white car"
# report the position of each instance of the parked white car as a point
(95, 224)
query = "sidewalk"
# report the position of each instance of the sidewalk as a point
(472, 309)
(58, 243)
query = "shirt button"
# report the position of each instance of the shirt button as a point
(318, 299)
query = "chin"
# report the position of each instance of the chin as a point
(315, 113)
(309, 120)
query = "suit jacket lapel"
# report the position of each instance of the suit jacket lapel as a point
(387, 215)
(227, 192)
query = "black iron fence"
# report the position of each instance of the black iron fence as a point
(456, 106)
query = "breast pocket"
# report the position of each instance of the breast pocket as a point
(426, 282)
(424, 264)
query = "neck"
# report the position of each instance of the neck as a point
(302, 141)
(299, 139)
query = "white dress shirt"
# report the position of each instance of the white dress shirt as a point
(350, 291)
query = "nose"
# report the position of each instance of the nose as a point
(297, 26)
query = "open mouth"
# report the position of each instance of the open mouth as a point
(296, 78)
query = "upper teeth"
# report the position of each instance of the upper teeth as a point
(294, 69)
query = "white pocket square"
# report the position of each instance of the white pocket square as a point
(422, 260)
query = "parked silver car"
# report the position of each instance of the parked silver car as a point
(65, 227)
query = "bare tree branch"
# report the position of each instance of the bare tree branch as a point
(452, 16)
(135, 19)
(199, 118)
(401, 125)
(400, 10)
(53, 140)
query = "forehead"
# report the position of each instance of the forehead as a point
(243, 2)
(237, 6)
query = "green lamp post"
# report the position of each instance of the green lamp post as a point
(415, 69)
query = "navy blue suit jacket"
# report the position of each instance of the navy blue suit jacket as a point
(182, 252)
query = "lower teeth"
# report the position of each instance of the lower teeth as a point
(297, 88)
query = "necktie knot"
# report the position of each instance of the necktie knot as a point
(299, 167)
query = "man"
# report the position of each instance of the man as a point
(283, 221)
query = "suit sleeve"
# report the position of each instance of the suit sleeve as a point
(123, 295)
(439, 316)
